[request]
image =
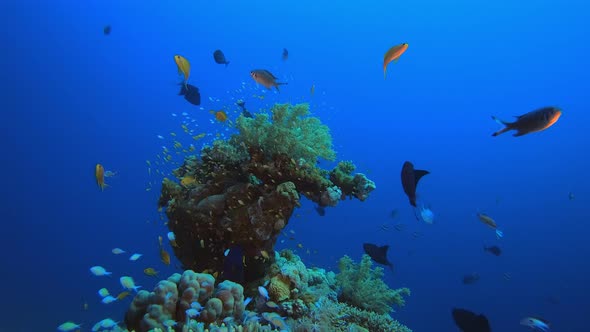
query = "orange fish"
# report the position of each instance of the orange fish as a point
(221, 116)
(184, 67)
(122, 295)
(530, 122)
(393, 55)
(99, 174)
(165, 256)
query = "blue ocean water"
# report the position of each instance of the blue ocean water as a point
(73, 97)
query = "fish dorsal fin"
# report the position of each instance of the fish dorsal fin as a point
(269, 73)
(383, 250)
(418, 174)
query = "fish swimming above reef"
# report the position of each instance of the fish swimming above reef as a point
(266, 78)
(494, 250)
(393, 54)
(536, 323)
(410, 178)
(285, 55)
(531, 122)
(219, 58)
(190, 93)
(378, 254)
(468, 321)
(106, 30)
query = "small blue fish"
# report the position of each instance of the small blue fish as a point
(247, 301)
(536, 323)
(109, 299)
(263, 292)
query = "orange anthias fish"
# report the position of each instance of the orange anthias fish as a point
(393, 55)
(221, 116)
(531, 122)
(184, 67)
(99, 175)
(165, 256)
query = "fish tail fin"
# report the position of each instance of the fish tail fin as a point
(280, 83)
(504, 123)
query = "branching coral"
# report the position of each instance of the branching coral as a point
(363, 287)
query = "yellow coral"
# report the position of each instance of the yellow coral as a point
(279, 288)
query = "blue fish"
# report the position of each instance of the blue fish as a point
(536, 323)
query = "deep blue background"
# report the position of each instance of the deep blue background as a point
(72, 97)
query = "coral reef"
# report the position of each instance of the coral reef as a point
(192, 302)
(363, 287)
(242, 192)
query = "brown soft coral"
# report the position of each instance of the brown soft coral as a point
(279, 288)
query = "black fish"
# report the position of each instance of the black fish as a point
(320, 210)
(190, 93)
(494, 250)
(530, 122)
(220, 58)
(245, 112)
(233, 265)
(378, 254)
(285, 54)
(469, 321)
(410, 178)
(469, 279)
(106, 30)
